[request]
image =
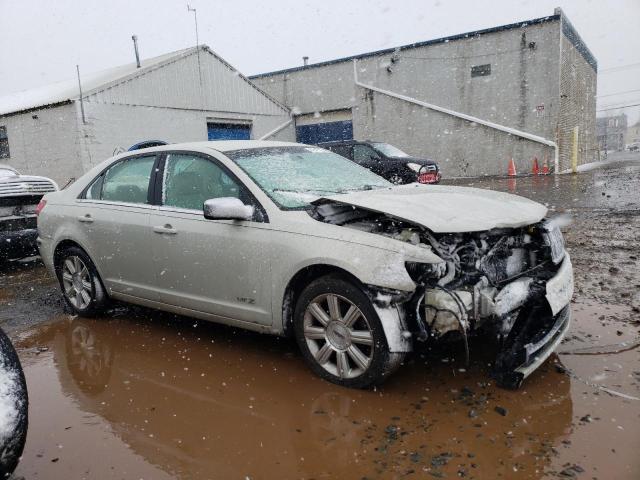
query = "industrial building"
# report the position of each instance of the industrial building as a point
(187, 95)
(611, 132)
(469, 101)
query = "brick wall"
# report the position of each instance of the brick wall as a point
(578, 82)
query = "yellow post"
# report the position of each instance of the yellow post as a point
(574, 151)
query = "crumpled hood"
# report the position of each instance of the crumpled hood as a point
(447, 209)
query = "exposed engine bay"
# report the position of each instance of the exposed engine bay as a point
(493, 280)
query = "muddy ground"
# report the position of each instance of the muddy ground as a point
(142, 394)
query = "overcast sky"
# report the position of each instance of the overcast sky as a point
(42, 41)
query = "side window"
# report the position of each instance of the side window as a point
(126, 181)
(95, 189)
(189, 180)
(343, 150)
(364, 154)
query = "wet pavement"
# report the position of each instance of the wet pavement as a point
(144, 394)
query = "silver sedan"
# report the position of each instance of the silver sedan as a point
(286, 239)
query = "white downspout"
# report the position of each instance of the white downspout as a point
(464, 116)
(276, 130)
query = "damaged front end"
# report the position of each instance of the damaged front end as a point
(515, 283)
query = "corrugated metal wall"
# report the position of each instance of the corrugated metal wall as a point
(177, 85)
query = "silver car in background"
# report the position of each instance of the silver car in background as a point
(286, 238)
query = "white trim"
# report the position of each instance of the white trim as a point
(464, 116)
(276, 130)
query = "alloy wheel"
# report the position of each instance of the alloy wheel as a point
(338, 335)
(396, 179)
(76, 281)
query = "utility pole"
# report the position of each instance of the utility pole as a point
(195, 19)
(84, 121)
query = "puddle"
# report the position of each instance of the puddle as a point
(151, 397)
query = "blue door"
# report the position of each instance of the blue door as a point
(324, 132)
(228, 131)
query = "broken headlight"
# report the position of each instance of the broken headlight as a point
(554, 240)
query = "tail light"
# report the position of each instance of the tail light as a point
(430, 177)
(41, 205)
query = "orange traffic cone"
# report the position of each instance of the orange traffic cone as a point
(535, 170)
(512, 168)
(545, 166)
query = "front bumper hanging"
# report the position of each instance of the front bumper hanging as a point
(523, 354)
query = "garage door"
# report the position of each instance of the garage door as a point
(324, 127)
(228, 131)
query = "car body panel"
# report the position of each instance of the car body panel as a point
(119, 237)
(447, 209)
(194, 264)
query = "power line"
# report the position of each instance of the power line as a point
(618, 107)
(619, 68)
(618, 93)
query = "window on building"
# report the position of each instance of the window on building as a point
(4, 143)
(228, 131)
(481, 70)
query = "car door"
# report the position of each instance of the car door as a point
(113, 214)
(219, 267)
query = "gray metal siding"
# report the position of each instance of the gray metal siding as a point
(47, 145)
(114, 127)
(177, 85)
(521, 79)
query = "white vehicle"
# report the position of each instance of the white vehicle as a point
(291, 239)
(19, 196)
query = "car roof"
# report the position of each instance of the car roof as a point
(347, 142)
(219, 146)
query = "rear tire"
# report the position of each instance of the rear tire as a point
(340, 334)
(80, 283)
(13, 398)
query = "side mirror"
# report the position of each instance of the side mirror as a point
(227, 208)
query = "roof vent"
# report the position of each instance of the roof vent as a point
(135, 47)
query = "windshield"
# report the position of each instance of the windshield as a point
(295, 176)
(389, 150)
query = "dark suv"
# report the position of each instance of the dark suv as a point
(387, 161)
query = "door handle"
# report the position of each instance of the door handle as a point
(166, 229)
(85, 218)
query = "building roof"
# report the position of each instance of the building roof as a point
(567, 29)
(67, 91)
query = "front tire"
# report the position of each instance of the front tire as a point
(341, 336)
(80, 283)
